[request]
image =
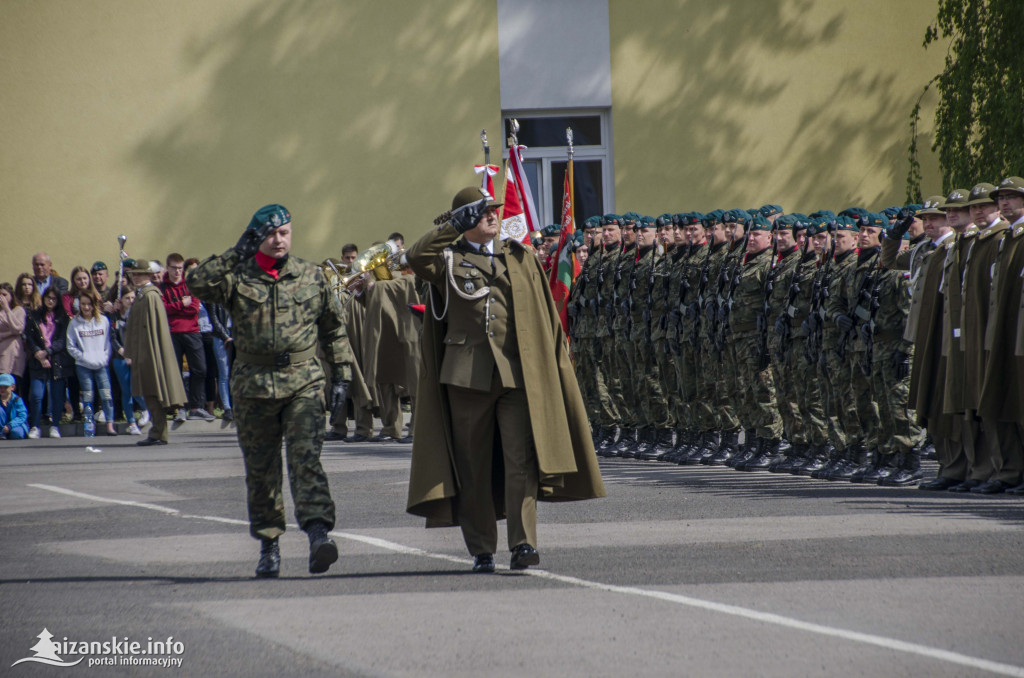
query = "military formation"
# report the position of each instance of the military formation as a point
(837, 346)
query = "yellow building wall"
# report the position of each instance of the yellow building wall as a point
(173, 121)
(738, 103)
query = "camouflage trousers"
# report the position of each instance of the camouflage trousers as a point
(624, 395)
(835, 386)
(785, 395)
(897, 430)
(758, 388)
(262, 423)
(866, 411)
(809, 394)
(658, 387)
(585, 364)
(732, 391)
(695, 408)
(607, 382)
(712, 388)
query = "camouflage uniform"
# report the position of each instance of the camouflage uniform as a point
(651, 409)
(620, 360)
(665, 351)
(581, 312)
(609, 385)
(843, 427)
(857, 284)
(277, 382)
(803, 372)
(695, 413)
(782, 376)
(711, 369)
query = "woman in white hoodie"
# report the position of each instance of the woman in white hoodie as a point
(89, 344)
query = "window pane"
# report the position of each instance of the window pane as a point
(588, 198)
(537, 132)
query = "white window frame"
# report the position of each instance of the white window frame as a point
(546, 202)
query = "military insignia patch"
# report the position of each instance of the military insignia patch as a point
(469, 286)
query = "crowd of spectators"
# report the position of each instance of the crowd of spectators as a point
(62, 348)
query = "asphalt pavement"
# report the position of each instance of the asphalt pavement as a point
(680, 571)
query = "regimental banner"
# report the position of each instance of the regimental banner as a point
(519, 215)
(567, 267)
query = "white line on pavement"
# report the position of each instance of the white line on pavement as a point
(755, 615)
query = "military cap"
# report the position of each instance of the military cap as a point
(577, 239)
(1008, 185)
(666, 220)
(631, 218)
(690, 218)
(741, 217)
(823, 213)
(697, 217)
(914, 207)
(610, 219)
(147, 267)
(98, 266)
(759, 222)
(128, 264)
(785, 221)
(799, 221)
(933, 205)
(645, 222)
(711, 218)
(981, 195)
(770, 210)
(276, 216)
(891, 212)
(957, 198)
(551, 230)
(846, 224)
(874, 219)
(853, 212)
(592, 222)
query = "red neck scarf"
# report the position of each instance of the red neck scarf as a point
(267, 264)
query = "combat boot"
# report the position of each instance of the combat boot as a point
(727, 449)
(927, 448)
(907, 473)
(611, 439)
(664, 444)
(705, 444)
(867, 465)
(630, 438)
(885, 466)
(785, 463)
(853, 460)
(598, 434)
(647, 439)
(768, 452)
(322, 549)
(751, 447)
(678, 446)
(817, 458)
(269, 565)
(833, 459)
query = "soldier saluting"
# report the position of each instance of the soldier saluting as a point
(282, 308)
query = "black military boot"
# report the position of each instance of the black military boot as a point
(885, 466)
(664, 444)
(322, 549)
(927, 448)
(627, 439)
(785, 462)
(751, 447)
(611, 439)
(866, 466)
(834, 458)
(727, 449)
(648, 438)
(785, 448)
(269, 565)
(908, 472)
(817, 457)
(768, 452)
(853, 460)
(598, 434)
(678, 446)
(704, 442)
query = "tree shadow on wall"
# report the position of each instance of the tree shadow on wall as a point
(694, 79)
(332, 109)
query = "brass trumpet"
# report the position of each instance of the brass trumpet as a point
(377, 261)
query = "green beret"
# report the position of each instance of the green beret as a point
(711, 218)
(631, 217)
(891, 212)
(785, 221)
(98, 266)
(578, 238)
(846, 224)
(592, 222)
(610, 219)
(759, 222)
(800, 221)
(874, 219)
(551, 230)
(913, 207)
(823, 213)
(270, 215)
(128, 264)
(741, 217)
(853, 212)
(666, 220)
(770, 210)
(646, 222)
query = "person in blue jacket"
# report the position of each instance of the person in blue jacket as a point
(13, 413)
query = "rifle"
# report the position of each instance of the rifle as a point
(763, 358)
(869, 294)
(696, 310)
(725, 304)
(819, 296)
(786, 337)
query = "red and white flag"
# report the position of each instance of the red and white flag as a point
(492, 171)
(567, 267)
(518, 215)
